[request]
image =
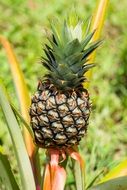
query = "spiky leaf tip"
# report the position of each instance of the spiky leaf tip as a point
(66, 55)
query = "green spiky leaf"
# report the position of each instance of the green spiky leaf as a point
(68, 52)
(21, 155)
(7, 178)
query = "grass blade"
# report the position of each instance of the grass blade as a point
(25, 169)
(6, 175)
(114, 184)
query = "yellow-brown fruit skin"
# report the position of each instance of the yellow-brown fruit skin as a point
(59, 119)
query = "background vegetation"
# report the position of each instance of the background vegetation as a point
(25, 23)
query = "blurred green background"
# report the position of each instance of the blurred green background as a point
(24, 23)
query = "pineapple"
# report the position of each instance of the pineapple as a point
(61, 107)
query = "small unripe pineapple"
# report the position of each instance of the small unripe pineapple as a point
(60, 108)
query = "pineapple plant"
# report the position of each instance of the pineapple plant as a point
(61, 107)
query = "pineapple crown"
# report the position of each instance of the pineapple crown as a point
(67, 54)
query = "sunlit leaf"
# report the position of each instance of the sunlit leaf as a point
(24, 101)
(118, 171)
(6, 175)
(21, 89)
(97, 24)
(114, 184)
(24, 165)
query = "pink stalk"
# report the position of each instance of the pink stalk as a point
(59, 179)
(55, 175)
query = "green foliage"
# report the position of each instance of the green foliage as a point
(25, 169)
(67, 55)
(7, 179)
(22, 120)
(120, 82)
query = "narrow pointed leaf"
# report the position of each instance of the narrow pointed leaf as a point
(74, 59)
(6, 175)
(87, 39)
(25, 169)
(24, 100)
(21, 90)
(65, 33)
(97, 24)
(91, 49)
(114, 184)
(22, 120)
(72, 47)
(79, 179)
(85, 69)
(79, 169)
(55, 35)
(89, 20)
(119, 171)
(77, 31)
(94, 179)
(50, 57)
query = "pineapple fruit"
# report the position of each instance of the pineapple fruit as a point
(60, 108)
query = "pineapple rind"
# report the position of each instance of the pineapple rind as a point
(59, 119)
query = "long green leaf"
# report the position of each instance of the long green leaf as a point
(114, 184)
(25, 169)
(24, 101)
(118, 171)
(94, 179)
(79, 176)
(78, 168)
(22, 119)
(22, 91)
(6, 175)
